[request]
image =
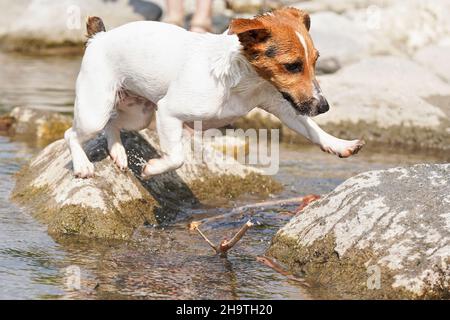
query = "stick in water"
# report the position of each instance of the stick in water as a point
(226, 245)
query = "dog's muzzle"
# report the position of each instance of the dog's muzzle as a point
(321, 103)
(311, 107)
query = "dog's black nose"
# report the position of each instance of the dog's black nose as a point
(323, 105)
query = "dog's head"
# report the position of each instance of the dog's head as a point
(279, 47)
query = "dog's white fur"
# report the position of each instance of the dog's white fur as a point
(130, 71)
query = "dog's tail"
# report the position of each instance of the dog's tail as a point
(94, 25)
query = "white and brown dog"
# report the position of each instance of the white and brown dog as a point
(131, 71)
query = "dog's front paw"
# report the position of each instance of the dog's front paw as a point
(84, 170)
(119, 156)
(352, 148)
(345, 150)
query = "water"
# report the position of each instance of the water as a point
(159, 263)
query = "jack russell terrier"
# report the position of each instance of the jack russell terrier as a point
(144, 67)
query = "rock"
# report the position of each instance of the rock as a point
(381, 234)
(6, 123)
(36, 25)
(340, 39)
(436, 59)
(327, 65)
(349, 31)
(406, 25)
(386, 100)
(253, 6)
(38, 127)
(339, 6)
(114, 203)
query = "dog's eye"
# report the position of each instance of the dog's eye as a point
(294, 67)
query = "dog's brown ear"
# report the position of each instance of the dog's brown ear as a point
(249, 31)
(298, 14)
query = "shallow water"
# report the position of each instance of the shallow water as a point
(170, 262)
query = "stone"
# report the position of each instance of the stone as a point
(387, 100)
(340, 39)
(40, 25)
(381, 234)
(114, 204)
(407, 26)
(339, 6)
(435, 58)
(38, 127)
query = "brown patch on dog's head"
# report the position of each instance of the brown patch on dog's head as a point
(279, 47)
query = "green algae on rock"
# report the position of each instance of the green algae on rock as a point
(381, 234)
(114, 204)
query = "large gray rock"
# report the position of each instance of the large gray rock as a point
(380, 234)
(114, 204)
(343, 40)
(406, 26)
(387, 100)
(33, 24)
(348, 31)
(436, 58)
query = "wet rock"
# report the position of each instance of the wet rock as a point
(114, 204)
(386, 100)
(6, 123)
(37, 127)
(42, 25)
(381, 234)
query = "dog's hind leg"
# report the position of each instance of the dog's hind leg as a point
(95, 99)
(170, 132)
(133, 114)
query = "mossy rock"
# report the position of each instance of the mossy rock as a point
(38, 127)
(114, 204)
(379, 235)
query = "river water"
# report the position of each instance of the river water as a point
(160, 263)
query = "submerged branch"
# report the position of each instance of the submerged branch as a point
(301, 202)
(278, 268)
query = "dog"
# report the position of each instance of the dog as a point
(141, 68)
